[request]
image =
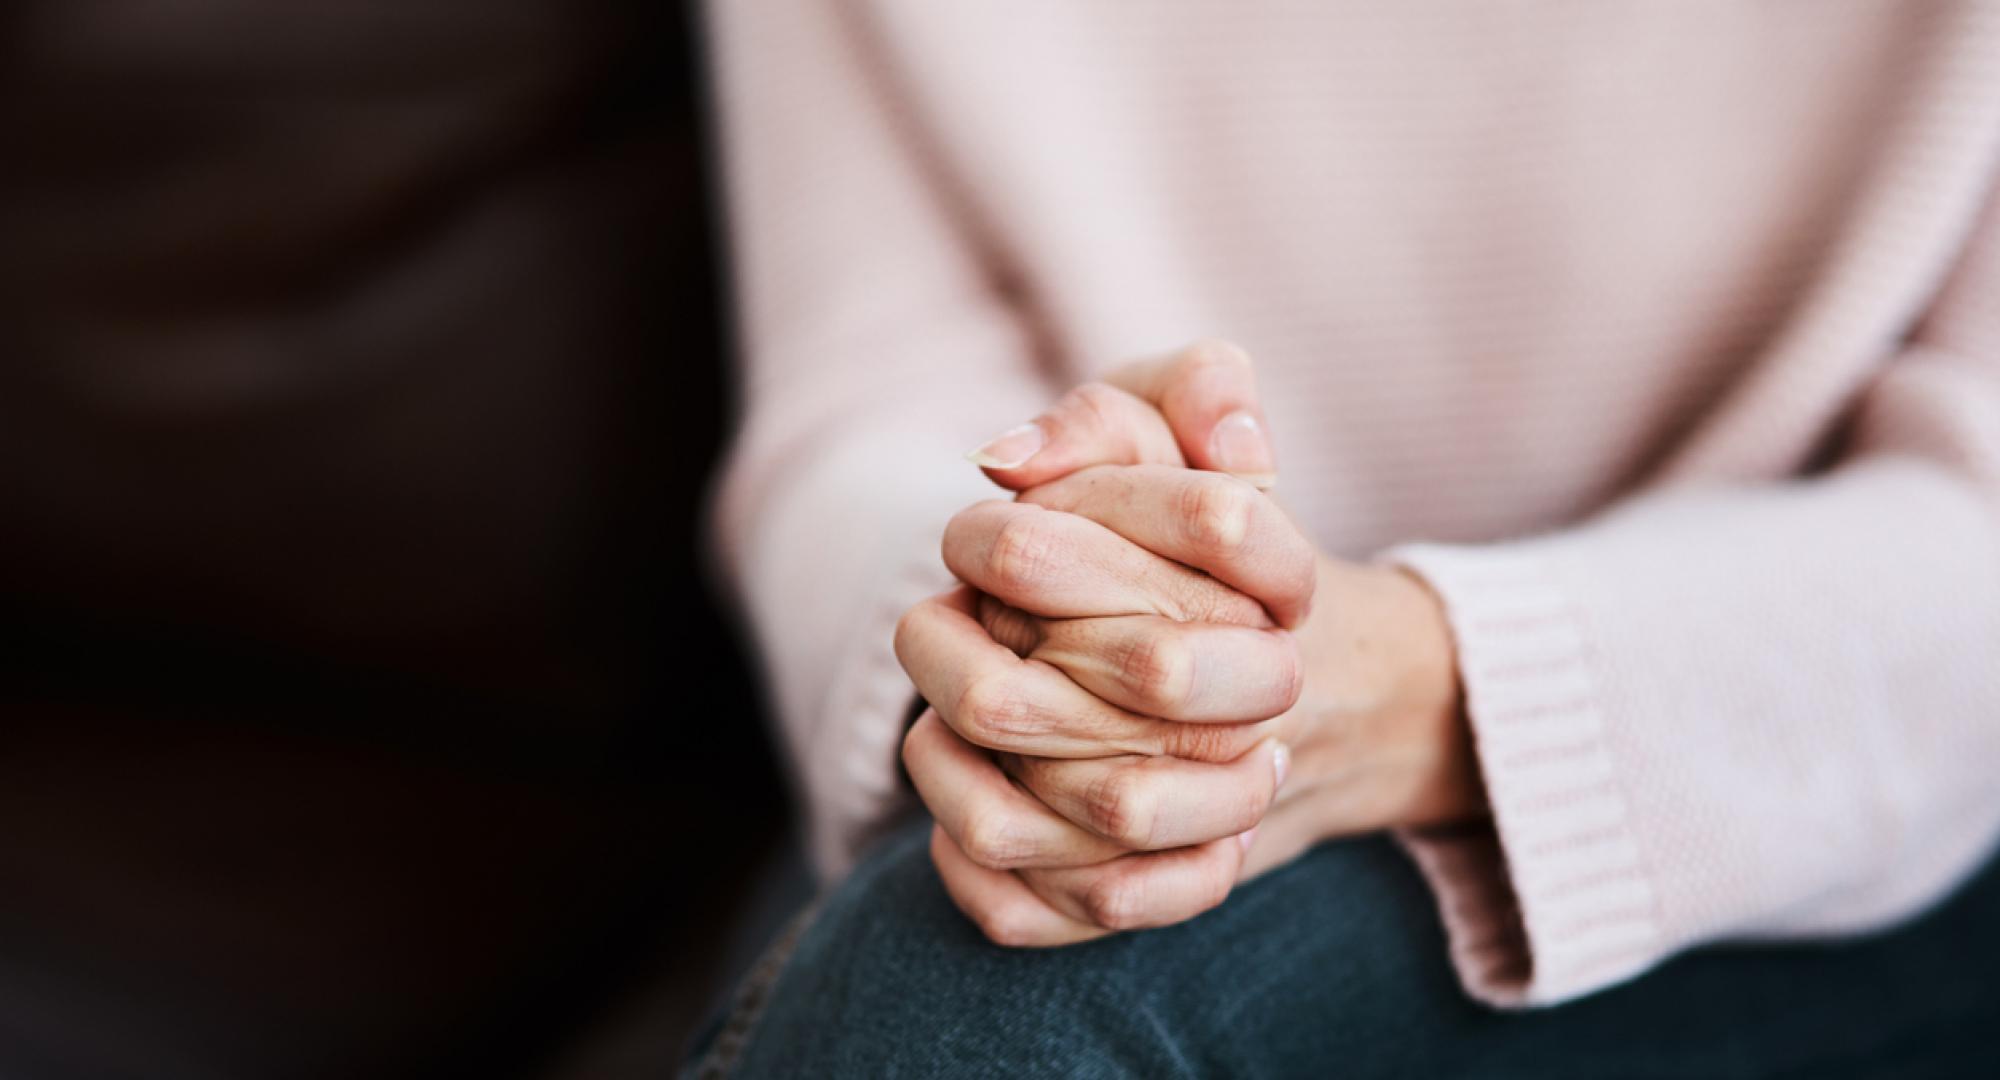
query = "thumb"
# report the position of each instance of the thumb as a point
(1207, 393)
(1196, 407)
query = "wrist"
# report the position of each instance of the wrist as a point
(1382, 716)
(1421, 672)
(1432, 697)
(1378, 643)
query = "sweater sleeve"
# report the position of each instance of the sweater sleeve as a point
(876, 348)
(1738, 711)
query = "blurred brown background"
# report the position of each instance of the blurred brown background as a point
(362, 707)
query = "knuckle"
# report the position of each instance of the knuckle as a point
(1006, 924)
(1116, 901)
(1098, 404)
(1158, 669)
(1291, 672)
(1216, 884)
(991, 710)
(1023, 550)
(1121, 809)
(959, 525)
(1305, 574)
(1215, 510)
(992, 840)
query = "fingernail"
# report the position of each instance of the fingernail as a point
(1238, 445)
(1247, 837)
(1011, 450)
(1281, 762)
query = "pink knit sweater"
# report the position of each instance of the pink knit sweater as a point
(1662, 339)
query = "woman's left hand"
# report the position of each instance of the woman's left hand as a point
(1379, 737)
(1376, 737)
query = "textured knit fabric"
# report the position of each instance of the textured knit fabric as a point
(1662, 339)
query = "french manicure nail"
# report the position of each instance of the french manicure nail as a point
(1239, 445)
(1281, 762)
(1247, 837)
(1011, 450)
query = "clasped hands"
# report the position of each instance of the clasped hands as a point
(1151, 685)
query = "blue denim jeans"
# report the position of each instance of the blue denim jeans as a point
(1335, 966)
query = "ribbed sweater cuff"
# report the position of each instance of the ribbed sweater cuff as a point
(1551, 898)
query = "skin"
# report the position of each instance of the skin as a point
(1152, 685)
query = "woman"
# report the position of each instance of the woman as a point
(1634, 371)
